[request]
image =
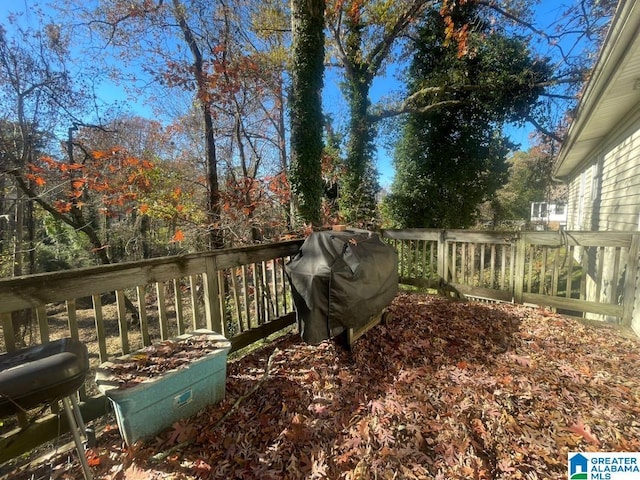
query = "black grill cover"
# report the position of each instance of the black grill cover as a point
(340, 280)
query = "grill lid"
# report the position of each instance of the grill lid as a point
(41, 374)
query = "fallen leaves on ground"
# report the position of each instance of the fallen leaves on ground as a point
(444, 390)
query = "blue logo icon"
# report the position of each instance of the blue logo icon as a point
(578, 465)
(183, 399)
(604, 465)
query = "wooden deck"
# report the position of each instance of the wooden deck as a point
(243, 293)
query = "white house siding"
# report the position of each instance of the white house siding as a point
(620, 186)
(635, 319)
(605, 196)
(579, 205)
(620, 196)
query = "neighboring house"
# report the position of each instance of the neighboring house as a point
(548, 215)
(600, 158)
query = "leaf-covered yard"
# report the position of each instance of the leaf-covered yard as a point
(445, 390)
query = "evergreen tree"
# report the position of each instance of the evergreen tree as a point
(451, 159)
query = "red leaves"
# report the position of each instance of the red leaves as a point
(93, 457)
(37, 179)
(62, 206)
(355, 11)
(35, 174)
(584, 431)
(78, 183)
(279, 186)
(453, 32)
(244, 195)
(65, 167)
(127, 177)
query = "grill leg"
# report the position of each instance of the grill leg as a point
(74, 417)
(75, 408)
(87, 433)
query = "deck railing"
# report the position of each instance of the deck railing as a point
(590, 274)
(243, 294)
(115, 309)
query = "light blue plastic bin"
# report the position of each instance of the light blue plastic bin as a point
(145, 409)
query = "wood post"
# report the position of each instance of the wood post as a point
(631, 281)
(442, 254)
(521, 250)
(212, 313)
(7, 331)
(122, 321)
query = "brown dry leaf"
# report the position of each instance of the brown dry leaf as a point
(584, 431)
(135, 473)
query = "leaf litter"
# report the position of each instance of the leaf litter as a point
(443, 390)
(155, 360)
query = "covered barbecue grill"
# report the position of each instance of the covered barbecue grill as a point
(340, 281)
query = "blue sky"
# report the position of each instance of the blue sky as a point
(546, 13)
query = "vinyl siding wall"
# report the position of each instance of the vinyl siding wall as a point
(604, 195)
(620, 186)
(580, 206)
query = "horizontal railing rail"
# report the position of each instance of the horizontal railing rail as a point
(114, 309)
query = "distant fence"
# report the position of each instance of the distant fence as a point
(585, 273)
(114, 309)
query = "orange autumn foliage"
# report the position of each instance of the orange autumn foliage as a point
(178, 236)
(112, 178)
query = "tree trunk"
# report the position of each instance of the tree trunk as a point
(357, 199)
(18, 237)
(4, 217)
(145, 227)
(282, 148)
(216, 239)
(307, 26)
(31, 234)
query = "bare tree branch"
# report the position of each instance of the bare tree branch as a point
(543, 130)
(408, 108)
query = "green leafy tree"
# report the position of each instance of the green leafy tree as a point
(529, 180)
(363, 38)
(333, 169)
(451, 159)
(368, 36)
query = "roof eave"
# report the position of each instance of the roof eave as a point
(622, 33)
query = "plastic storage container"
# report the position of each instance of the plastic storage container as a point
(144, 409)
